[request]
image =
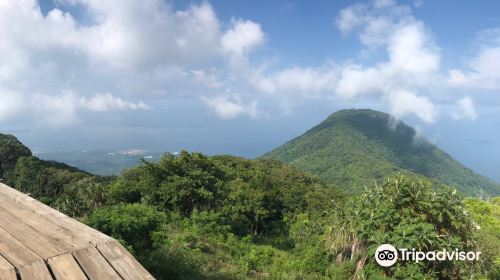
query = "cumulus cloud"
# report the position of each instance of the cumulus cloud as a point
(56, 110)
(108, 102)
(230, 108)
(145, 33)
(375, 21)
(348, 18)
(413, 58)
(135, 49)
(63, 108)
(403, 102)
(125, 55)
(139, 33)
(465, 109)
(242, 37)
(307, 81)
(483, 70)
(412, 64)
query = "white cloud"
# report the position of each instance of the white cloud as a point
(148, 51)
(412, 63)
(457, 77)
(348, 18)
(230, 108)
(307, 81)
(413, 60)
(133, 33)
(403, 102)
(146, 33)
(108, 102)
(65, 107)
(242, 37)
(56, 110)
(411, 50)
(465, 109)
(375, 21)
(484, 70)
(207, 77)
(133, 48)
(139, 49)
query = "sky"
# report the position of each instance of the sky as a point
(242, 77)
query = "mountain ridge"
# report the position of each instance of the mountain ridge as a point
(353, 147)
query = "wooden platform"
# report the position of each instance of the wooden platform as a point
(38, 242)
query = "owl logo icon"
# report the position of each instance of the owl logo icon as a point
(386, 255)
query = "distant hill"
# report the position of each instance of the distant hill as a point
(351, 148)
(43, 179)
(10, 150)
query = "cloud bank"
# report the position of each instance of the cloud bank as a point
(131, 54)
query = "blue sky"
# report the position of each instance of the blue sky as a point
(242, 77)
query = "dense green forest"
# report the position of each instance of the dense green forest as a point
(351, 148)
(191, 216)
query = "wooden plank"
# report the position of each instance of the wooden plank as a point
(16, 252)
(16, 195)
(66, 267)
(31, 232)
(47, 235)
(26, 215)
(5, 264)
(7, 271)
(8, 275)
(35, 271)
(67, 228)
(95, 265)
(123, 262)
(53, 215)
(36, 235)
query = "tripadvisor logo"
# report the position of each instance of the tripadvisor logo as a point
(387, 255)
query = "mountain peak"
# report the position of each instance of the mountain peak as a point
(371, 122)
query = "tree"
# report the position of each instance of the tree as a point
(182, 183)
(251, 207)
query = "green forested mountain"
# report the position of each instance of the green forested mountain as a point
(10, 150)
(42, 179)
(351, 148)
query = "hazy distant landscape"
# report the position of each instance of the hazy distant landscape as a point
(101, 162)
